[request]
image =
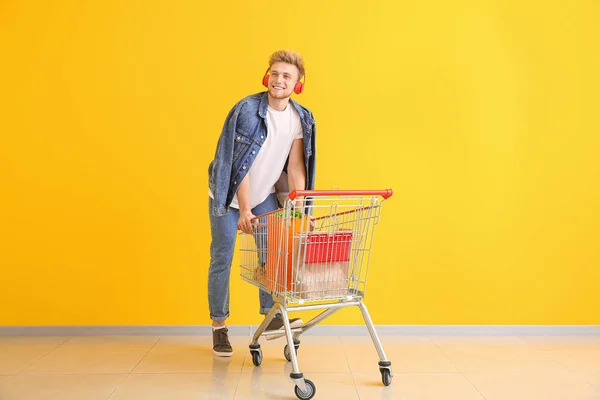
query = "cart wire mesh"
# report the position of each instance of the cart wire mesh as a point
(313, 249)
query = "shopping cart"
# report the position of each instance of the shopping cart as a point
(313, 254)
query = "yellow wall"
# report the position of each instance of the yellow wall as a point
(482, 116)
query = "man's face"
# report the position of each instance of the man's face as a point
(282, 80)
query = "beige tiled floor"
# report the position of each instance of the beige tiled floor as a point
(436, 368)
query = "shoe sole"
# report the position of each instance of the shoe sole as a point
(293, 325)
(223, 353)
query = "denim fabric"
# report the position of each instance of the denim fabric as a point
(243, 134)
(224, 233)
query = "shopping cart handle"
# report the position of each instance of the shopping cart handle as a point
(313, 193)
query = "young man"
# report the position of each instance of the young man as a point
(267, 138)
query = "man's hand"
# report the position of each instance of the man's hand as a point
(245, 222)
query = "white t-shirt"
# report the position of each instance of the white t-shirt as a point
(283, 127)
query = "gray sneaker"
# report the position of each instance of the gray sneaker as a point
(277, 324)
(221, 345)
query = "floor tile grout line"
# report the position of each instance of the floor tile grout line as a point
(458, 369)
(117, 386)
(237, 385)
(523, 339)
(349, 367)
(475, 387)
(446, 355)
(554, 360)
(211, 373)
(70, 373)
(134, 367)
(10, 377)
(42, 357)
(146, 354)
(592, 385)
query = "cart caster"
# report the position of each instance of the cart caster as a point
(286, 351)
(256, 358)
(311, 389)
(256, 354)
(386, 376)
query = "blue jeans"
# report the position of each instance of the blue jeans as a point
(224, 233)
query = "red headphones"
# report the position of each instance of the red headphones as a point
(298, 88)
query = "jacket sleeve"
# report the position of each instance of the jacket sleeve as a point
(221, 166)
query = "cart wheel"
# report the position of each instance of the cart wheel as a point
(286, 352)
(311, 389)
(386, 376)
(257, 358)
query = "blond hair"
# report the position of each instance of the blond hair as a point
(290, 57)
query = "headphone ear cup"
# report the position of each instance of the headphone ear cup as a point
(299, 87)
(265, 80)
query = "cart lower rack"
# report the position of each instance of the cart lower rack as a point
(312, 254)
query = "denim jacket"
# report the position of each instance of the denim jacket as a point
(244, 132)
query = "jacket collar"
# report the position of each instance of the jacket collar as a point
(264, 103)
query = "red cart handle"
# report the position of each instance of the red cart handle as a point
(383, 193)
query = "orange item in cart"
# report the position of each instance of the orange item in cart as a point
(281, 242)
